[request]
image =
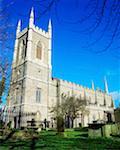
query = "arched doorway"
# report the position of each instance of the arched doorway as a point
(38, 118)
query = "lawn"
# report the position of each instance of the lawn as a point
(72, 140)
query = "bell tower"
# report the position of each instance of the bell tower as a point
(31, 70)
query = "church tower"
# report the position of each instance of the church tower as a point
(31, 72)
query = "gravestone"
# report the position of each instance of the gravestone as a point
(95, 130)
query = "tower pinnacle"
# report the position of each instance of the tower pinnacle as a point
(93, 87)
(18, 27)
(105, 85)
(31, 21)
(49, 25)
(50, 28)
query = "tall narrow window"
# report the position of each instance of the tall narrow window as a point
(22, 49)
(39, 51)
(38, 95)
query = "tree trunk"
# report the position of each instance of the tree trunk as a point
(82, 120)
(60, 124)
(72, 122)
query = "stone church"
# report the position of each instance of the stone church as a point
(33, 90)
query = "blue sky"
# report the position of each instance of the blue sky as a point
(75, 41)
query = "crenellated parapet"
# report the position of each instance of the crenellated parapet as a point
(94, 97)
(41, 31)
(75, 86)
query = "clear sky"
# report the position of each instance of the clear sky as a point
(81, 50)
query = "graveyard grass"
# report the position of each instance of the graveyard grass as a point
(71, 140)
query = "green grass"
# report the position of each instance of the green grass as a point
(72, 140)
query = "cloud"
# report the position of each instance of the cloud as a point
(113, 73)
(115, 95)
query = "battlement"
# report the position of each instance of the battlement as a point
(74, 85)
(32, 26)
(81, 88)
(41, 31)
(35, 29)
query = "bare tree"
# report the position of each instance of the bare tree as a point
(3, 79)
(5, 36)
(69, 109)
(102, 17)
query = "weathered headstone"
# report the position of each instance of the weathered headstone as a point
(95, 130)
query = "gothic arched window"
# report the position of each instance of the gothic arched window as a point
(39, 50)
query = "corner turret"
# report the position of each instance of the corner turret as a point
(93, 87)
(105, 85)
(50, 28)
(18, 27)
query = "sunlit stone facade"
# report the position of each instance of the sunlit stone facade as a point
(33, 90)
